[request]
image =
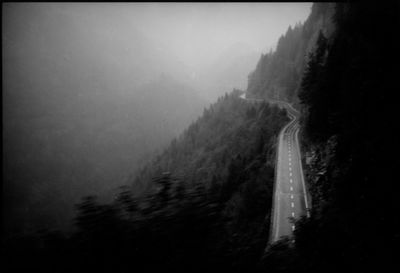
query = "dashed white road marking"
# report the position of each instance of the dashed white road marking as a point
(291, 180)
(292, 214)
(291, 188)
(291, 196)
(290, 174)
(293, 227)
(290, 169)
(292, 205)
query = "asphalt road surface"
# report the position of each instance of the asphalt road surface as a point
(290, 197)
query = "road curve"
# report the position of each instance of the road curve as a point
(290, 197)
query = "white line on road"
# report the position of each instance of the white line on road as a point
(293, 227)
(292, 214)
(291, 188)
(290, 174)
(292, 205)
(291, 196)
(291, 180)
(301, 173)
(290, 169)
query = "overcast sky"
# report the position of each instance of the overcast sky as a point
(198, 31)
(202, 36)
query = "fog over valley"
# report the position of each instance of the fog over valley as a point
(93, 91)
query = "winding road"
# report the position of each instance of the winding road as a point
(290, 197)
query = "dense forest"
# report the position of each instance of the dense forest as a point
(206, 204)
(203, 152)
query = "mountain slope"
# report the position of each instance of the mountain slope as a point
(204, 203)
(278, 73)
(205, 148)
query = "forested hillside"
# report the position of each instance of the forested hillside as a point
(350, 124)
(205, 203)
(278, 73)
(228, 128)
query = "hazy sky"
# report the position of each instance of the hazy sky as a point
(198, 32)
(83, 97)
(202, 36)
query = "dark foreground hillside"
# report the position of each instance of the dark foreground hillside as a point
(207, 207)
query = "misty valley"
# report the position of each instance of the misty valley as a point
(199, 137)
